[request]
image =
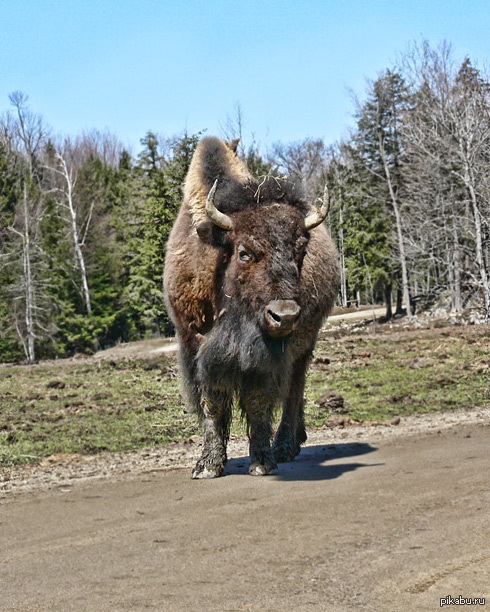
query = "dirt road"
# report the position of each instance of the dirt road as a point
(365, 313)
(386, 521)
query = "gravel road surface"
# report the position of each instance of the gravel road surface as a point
(375, 519)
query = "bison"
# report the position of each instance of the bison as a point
(250, 275)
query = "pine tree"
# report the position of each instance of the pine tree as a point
(161, 183)
(10, 349)
(361, 228)
(257, 165)
(378, 143)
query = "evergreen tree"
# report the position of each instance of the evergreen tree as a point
(361, 228)
(10, 348)
(160, 181)
(257, 165)
(378, 145)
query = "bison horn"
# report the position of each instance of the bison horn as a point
(217, 217)
(316, 217)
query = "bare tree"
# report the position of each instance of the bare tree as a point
(398, 217)
(101, 144)
(470, 118)
(337, 164)
(64, 167)
(27, 285)
(29, 126)
(305, 162)
(232, 128)
(448, 136)
(23, 134)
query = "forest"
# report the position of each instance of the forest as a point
(84, 222)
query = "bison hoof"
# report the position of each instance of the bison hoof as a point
(207, 471)
(285, 449)
(262, 469)
(284, 453)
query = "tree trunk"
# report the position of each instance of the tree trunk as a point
(388, 288)
(399, 301)
(456, 265)
(343, 277)
(75, 233)
(399, 229)
(29, 289)
(480, 260)
(477, 220)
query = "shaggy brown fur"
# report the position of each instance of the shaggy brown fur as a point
(221, 290)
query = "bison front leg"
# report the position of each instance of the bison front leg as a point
(216, 417)
(291, 432)
(258, 407)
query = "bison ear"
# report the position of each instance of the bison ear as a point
(211, 234)
(233, 145)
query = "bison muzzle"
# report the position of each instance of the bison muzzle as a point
(250, 275)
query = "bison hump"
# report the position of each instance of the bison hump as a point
(213, 159)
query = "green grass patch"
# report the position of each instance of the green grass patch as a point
(412, 373)
(93, 406)
(88, 408)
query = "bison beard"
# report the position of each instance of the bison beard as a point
(237, 347)
(248, 281)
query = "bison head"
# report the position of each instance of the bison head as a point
(262, 247)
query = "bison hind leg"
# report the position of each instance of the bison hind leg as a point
(284, 449)
(291, 433)
(288, 441)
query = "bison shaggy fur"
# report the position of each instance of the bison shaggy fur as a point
(247, 286)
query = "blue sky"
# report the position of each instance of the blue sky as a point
(135, 65)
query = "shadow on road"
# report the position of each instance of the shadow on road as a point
(313, 463)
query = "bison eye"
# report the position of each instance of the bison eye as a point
(243, 254)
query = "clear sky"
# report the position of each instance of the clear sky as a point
(166, 65)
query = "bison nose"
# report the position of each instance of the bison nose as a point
(281, 317)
